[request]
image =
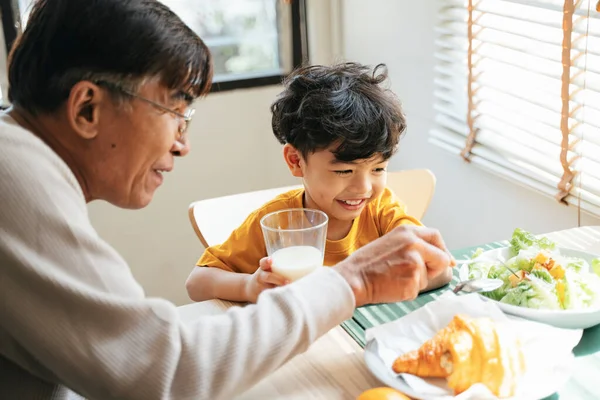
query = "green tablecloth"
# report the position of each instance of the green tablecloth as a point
(584, 384)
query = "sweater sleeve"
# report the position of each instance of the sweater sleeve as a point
(72, 314)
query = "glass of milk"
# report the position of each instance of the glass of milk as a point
(295, 240)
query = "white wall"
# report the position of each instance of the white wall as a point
(400, 33)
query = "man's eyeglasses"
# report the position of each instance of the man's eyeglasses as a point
(185, 117)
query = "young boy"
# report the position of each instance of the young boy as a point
(339, 128)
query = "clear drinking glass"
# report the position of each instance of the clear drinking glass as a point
(295, 240)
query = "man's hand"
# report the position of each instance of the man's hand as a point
(396, 266)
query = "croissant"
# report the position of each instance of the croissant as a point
(469, 351)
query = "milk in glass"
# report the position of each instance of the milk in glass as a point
(296, 261)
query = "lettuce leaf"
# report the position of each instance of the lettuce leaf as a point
(581, 290)
(543, 274)
(479, 270)
(596, 266)
(522, 240)
(498, 271)
(523, 260)
(533, 294)
(576, 264)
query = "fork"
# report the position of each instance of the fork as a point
(484, 259)
(474, 260)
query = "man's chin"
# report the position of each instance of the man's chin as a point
(134, 202)
(142, 202)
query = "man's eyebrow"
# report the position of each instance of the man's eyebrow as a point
(181, 95)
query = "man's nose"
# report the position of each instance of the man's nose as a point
(181, 147)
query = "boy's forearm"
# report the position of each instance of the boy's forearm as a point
(213, 283)
(231, 286)
(439, 280)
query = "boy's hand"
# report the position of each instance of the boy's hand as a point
(264, 278)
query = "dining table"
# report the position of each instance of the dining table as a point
(333, 367)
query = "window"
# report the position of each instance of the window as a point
(249, 39)
(253, 42)
(517, 92)
(8, 34)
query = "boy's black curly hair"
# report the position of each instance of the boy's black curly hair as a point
(343, 105)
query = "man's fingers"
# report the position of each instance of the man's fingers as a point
(420, 272)
(436, 259)
(433, 237)
(423, 277)
(412, 275)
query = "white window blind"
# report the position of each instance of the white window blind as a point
(517, 92)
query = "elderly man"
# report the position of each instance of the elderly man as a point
(101, 92)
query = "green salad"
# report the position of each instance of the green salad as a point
(545, 278)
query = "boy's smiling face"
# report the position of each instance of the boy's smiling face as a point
(340, 189)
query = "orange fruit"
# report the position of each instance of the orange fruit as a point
(382, 393)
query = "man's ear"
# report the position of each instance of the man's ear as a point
(293, 159)
(83, 109)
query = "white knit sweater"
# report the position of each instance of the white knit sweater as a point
(74, 320)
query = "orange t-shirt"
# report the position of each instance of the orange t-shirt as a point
(242, 251)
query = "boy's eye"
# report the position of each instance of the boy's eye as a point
(380, 170)
(344, 172)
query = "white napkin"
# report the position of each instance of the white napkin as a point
(548, 351)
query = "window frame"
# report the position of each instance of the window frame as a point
(10, 25)
(299, 36)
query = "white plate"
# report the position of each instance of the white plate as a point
(573, 319)
(385, 374)
(548, 351)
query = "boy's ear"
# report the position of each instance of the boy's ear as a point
(293, 158)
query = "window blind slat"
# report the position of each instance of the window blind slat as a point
(455, 31)
(514, 165)
(537, 57)
(533, 150)
(493, 54)
(522, 84)
(503, 144)
(545, 141)
(531, 115)
(543, 182)
(500, 119)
